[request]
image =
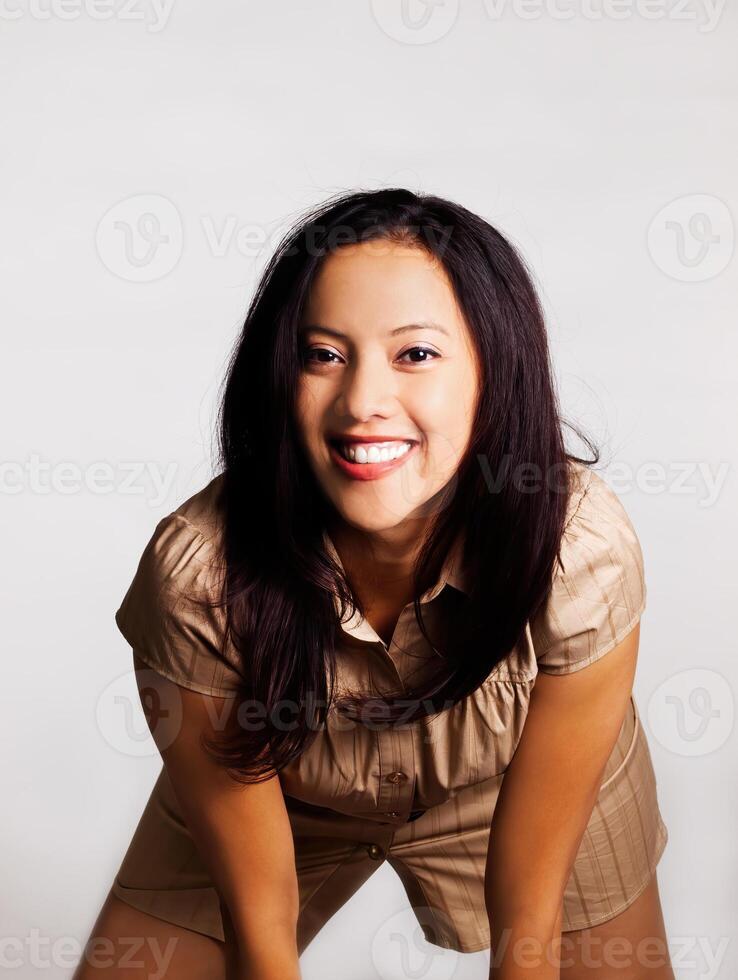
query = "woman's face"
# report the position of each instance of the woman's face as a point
(388, 383)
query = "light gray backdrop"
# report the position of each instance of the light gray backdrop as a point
(151, 154)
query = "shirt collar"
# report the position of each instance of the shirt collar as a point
(452, 573)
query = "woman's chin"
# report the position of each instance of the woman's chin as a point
(376, 517)
(368, 523)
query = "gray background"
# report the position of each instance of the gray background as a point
(600, 136)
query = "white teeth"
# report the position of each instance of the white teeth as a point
(374, 452)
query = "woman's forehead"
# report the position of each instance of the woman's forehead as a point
(379, 294)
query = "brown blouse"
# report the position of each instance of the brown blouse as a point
(422, 796)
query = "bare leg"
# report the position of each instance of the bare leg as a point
(631, 946)
(127, 944)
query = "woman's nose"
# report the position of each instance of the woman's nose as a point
(368, 389)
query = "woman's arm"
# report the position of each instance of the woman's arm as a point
(242, 832)
(545, 803)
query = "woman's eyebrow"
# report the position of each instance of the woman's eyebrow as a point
(423, 325)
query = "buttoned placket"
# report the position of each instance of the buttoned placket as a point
(395, 744)
(396, 756)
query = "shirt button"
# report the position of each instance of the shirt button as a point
(392, 813)
(396, 777)
(375, 852)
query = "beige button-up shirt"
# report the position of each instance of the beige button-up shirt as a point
(353, 796)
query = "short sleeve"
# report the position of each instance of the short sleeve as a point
(598, 592)
(162, 615)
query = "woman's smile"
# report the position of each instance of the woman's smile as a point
(364, 460)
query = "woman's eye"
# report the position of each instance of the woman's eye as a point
(421, 350)
(311, 355)
(321, 355)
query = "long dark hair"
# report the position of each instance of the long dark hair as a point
(280, 587)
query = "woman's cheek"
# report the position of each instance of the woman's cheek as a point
(444, 450)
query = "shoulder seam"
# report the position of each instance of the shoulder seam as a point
(579, 503)
(185, 520)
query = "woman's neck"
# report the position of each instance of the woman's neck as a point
(379, 565)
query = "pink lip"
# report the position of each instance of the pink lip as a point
(369, 471)
(346, 437)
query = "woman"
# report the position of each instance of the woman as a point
(401, 624)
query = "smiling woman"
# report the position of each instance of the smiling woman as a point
(396, 553)
(385, 403)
